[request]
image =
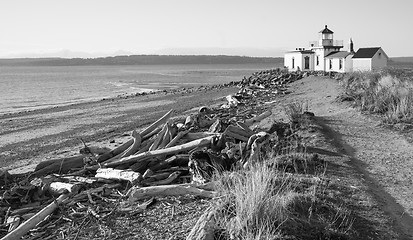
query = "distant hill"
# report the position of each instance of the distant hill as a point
(401, 62)
(141, 60)
(402, 59)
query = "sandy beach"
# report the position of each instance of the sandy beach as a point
(27, 138)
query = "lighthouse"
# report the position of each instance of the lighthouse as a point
(324, 46)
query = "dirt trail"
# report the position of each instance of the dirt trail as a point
(380, 158)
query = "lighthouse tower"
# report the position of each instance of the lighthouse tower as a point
(324, 46)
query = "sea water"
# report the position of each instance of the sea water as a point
(29, 88)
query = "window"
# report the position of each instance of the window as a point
(331, 64)
(340, 63)
(293, 63)
(318, 61)
(379, 54)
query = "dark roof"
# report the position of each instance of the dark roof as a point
(340, 54)
(366, 52)
(326, 30)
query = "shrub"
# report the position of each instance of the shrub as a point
(389, 93)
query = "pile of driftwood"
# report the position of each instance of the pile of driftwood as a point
(172, 156)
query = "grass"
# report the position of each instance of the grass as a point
(389, 93)
(283, 196)
(263, 203)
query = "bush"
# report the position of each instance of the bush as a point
(389, 93)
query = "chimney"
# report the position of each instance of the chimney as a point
(351, 46)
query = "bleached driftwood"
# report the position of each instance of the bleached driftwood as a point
(115, 151)
(167, 162)
(168, 136)
(137, 193)
(258, 118)
(203, 142)
(232, 101)
(199, 135)
(116, 174)
(33, 221)
(178, 136)
(159, 138)
(58, 188)
(153, 133)
(152, 129)
(137, 140)
(157, 123)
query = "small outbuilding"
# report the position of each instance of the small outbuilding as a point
(369, 59)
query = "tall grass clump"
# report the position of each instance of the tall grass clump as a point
(389, 93)
(262, 203)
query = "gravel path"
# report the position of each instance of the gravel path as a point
(382, 158)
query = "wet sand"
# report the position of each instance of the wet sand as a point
(27, 138)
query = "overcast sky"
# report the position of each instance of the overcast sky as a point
(235, 27)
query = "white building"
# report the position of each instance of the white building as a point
(325, 55)
(369, 59)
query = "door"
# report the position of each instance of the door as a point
(306, 62)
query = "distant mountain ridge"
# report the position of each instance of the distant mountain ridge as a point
(141, 60)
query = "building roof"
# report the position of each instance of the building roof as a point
(302, 51)
(339, 54)
(366, 52)
(326, 30)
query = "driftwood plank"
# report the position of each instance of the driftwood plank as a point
(137, 193)
(203, 142)
(157, 123)
(33, 221)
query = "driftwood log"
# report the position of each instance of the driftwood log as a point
(58, 188)
(137, 193)
(258, 118)
(116, 174)
(115, 151)
(157, 123)
(203, 142)
(33, 221)
(62, 165)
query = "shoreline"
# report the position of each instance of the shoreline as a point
(29, 137)
(79, 103)
(69, 103)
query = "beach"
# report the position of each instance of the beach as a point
(30, 137)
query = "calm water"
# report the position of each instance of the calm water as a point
(28, 88)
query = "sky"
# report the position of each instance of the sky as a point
(91, 28)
